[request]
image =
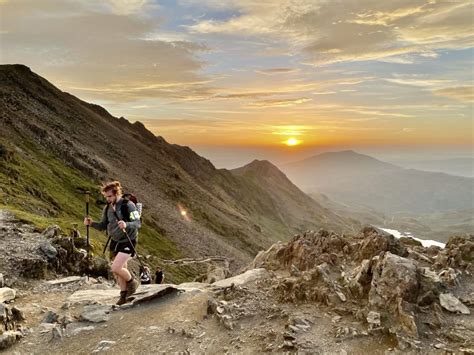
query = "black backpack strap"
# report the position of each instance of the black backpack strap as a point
(106, 233)
(124, 211)
(107, 213)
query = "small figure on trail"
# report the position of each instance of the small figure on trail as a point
(159, 275)
(145, 276)
(121, 220)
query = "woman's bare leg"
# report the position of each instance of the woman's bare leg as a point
(123, 285)
(119, 268)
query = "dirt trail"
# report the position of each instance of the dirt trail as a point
(180, 323)
(142, 329)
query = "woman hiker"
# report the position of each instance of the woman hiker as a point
(122, 247)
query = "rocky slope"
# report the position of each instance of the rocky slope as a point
(320, 292)
(292, 205)
(52, 142)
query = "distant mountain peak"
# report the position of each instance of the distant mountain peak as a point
(343, 157)
(347, 151)
(262, 168)
(343, 153)
(263, 162)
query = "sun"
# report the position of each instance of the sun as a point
(292, 141)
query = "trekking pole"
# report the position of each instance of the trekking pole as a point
(128, 237)
(87, 233)
(102, 203)
(87, 195)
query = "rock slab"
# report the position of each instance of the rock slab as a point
(452, 304)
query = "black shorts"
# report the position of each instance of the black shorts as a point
(122, 247)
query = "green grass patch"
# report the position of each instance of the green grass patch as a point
(41, 190)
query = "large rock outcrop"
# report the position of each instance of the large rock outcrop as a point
(395, 286)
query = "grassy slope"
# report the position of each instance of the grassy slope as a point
(40, 189)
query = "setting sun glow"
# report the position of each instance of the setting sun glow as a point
(292, 141)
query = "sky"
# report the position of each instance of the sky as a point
(281, 80)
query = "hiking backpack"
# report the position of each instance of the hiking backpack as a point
(124, 207)
(125, 212)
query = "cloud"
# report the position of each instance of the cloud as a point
(460, 93)
(99, 52)
(373, 112)
(246, 95)
(419, 82)
(324, 92)
(291, 130)
(438, 87)
(272, 71)
(278, 102)
(126, 7)
(337, 31)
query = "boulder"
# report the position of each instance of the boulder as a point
(242, 279)
(375, 242)
(7, 294)
(459, 251)
(304, 251)
(217, 272)
(50, 317)
(48, 250)
(360, 282)
(452, 304)
(393, 277)
(312, 285)
(267, 258)
(7, 339)
(95, 313)
(52, 231)
(10, 317)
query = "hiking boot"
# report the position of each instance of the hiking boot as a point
(122, 299)
(132, 286)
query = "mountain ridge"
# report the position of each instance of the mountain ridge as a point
(51, 132)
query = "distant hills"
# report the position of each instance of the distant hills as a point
(453, 166)
(357, 179)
